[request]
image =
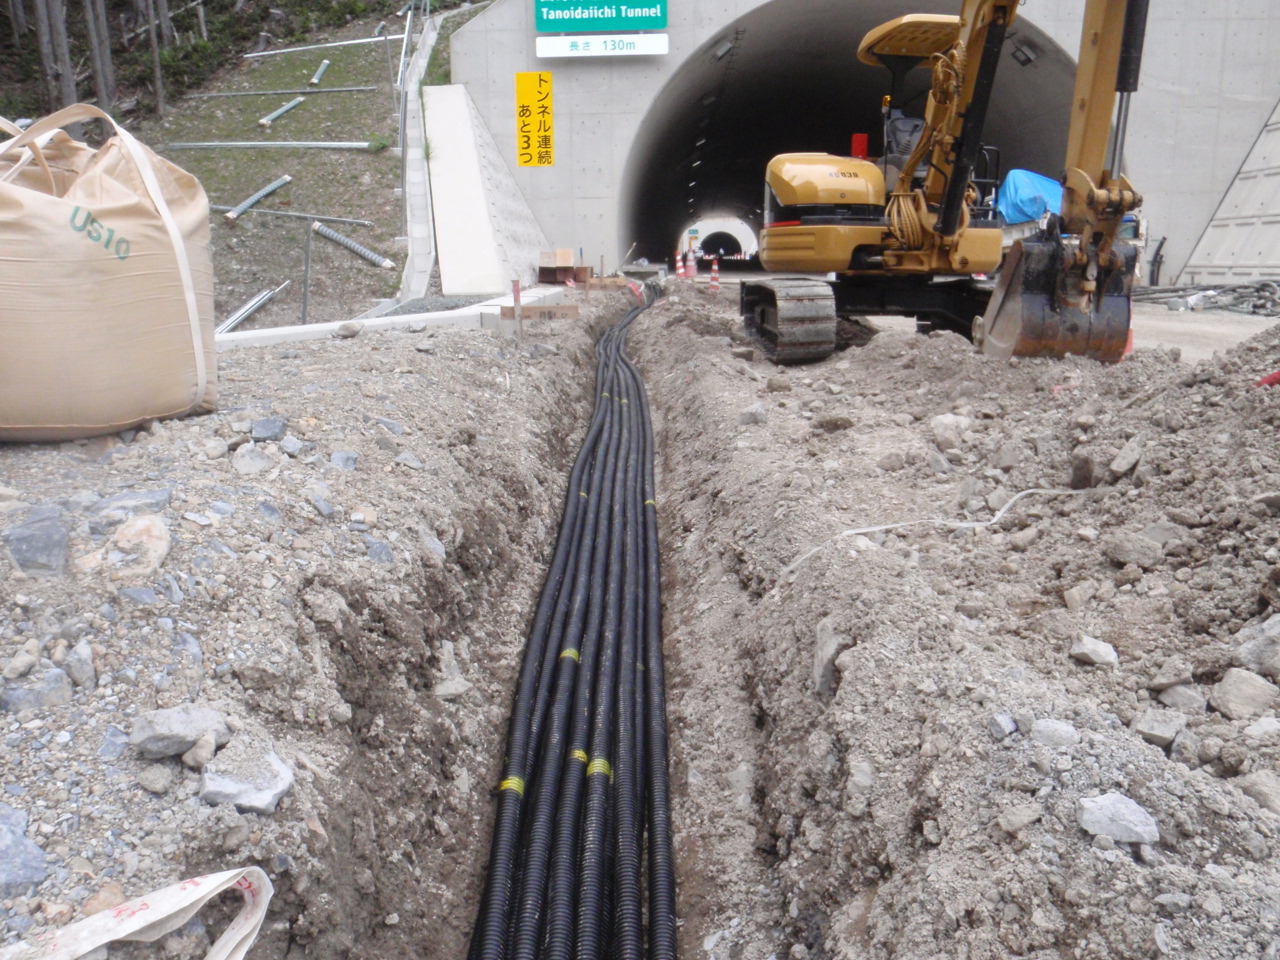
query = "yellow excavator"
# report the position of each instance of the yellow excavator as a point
(913, 249)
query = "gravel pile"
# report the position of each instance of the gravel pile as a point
(284, 634)
(1046, 728)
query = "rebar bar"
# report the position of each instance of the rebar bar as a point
(276, 93)
(299, 216)
(234, 214)
(306, 274)
(249, 308)
(315, 46)
(276, 114)
(276, 145)
(319, 74)
(377, 259)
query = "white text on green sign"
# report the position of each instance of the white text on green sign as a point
(585, 16)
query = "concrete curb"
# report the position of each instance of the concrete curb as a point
(480, 316)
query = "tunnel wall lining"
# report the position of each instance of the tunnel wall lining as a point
(1208, 83)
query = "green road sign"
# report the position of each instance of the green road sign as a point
(579, 16)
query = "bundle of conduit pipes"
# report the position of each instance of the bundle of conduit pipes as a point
(584, 816)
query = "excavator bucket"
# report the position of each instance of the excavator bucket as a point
(1039, 307)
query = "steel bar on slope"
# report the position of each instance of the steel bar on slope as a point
(306, 91)
(299, 216)
(318, 46)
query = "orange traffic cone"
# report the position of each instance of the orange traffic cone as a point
(690, 265)
(715, 276)
(1128, 346)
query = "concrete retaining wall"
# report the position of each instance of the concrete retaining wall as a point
(486, 234)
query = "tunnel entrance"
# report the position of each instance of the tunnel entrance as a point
(720, 244)
(718, 237)
(786, 77)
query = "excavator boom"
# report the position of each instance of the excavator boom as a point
(1069, 289)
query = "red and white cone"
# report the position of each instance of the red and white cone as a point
(690, 265)
(679, 266)
(715, 276)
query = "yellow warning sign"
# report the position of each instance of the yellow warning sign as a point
(535, 120)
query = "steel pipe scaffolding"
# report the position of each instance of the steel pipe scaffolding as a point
(581, 864)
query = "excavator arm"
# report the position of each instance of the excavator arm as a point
(1069, 289)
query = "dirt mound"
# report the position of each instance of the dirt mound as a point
(1043, 727)
(341, 563)
(886, 745)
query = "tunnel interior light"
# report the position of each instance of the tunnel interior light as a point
(1025, 54)
(722, 50)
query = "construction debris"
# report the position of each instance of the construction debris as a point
(319, 46)
(301, 216)
(276, 93)
(1260, 297)
(248, 309)
(319, 74)
(274, 115)
(369, 145)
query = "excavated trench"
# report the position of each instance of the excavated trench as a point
(418, 789)
(836, 788)
(390, 863)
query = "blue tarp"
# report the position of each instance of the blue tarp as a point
(1026, 196)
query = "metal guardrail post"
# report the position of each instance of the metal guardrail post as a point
(306, 271)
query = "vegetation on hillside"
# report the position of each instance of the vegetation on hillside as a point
(55, 52)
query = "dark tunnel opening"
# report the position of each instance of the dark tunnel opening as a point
(720, 244)
(786, 77)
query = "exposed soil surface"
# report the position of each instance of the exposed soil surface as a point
(261, 251)
(883, 746)
(352, 592)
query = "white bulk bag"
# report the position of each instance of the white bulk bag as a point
(106, 285)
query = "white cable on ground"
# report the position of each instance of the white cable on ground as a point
(953, 524)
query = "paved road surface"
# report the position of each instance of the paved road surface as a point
(1199, 334)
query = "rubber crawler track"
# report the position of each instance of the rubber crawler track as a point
(584, 812)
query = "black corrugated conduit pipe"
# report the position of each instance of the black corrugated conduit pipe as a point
(583, 811)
